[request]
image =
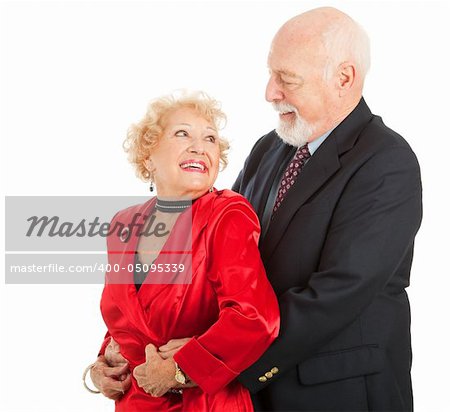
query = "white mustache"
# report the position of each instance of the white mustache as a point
(284, 107)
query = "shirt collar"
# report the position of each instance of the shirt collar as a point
(314, 145)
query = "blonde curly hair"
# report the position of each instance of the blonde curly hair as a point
(144, 136)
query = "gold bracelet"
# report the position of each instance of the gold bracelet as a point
(84, 379)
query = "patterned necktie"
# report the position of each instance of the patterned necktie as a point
(290, 175)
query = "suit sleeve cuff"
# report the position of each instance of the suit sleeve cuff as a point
(208, 372)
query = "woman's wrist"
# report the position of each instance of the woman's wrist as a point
(86, 372)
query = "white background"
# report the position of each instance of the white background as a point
(74, 75)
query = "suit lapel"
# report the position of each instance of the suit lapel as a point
(314, 174)
(319, 169)
(265, 176)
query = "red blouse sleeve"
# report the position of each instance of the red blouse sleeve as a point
(249, 316)
(104, 344)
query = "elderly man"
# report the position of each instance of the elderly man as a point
(339, 198)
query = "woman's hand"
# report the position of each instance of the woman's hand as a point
(107, 380)
(114, 357)
(157, 375)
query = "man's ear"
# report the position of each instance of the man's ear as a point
(346, 77)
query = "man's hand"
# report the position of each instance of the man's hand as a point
(173, 346)
(106, 378)
(157, 375)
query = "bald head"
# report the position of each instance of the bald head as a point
(317, 20)
(312, 24)
(332, 37)
(318, 61)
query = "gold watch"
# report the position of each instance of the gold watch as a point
(180, 377)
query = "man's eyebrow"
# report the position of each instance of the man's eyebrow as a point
(289, 73)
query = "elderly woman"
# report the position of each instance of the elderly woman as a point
(197, 272)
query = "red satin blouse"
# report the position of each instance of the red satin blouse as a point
(228, 306)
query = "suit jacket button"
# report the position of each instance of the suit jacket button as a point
(274, 370)
(262, 379)
(268, 374)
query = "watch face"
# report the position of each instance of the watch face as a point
(179, 377)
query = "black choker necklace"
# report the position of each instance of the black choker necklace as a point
(172, 206)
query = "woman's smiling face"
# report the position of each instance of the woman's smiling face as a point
(185, 162)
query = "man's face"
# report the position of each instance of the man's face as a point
(297, 89)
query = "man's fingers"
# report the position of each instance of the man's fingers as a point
(174, 344)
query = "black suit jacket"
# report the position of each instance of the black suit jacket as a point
(338, 253)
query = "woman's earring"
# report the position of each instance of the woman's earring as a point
(211, 189)
(149, 173)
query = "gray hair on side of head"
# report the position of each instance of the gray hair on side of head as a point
(346, 41)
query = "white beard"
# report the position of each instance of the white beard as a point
(297, 133)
